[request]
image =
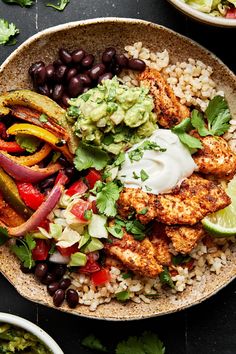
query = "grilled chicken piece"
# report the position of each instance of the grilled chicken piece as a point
(188, 204)
(161, 246)
(8, 216)
(137, 256)
(216, 157)
(185, 238)
(32, 116)
(169, 110)
(113, 262)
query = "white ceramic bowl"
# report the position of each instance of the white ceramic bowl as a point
(32, 328)
(202, 17)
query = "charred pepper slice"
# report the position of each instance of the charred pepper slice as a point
(10, 194)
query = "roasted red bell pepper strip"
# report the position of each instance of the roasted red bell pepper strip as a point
(30, 195)
(10, 146)
(61, 178)
(92, 177)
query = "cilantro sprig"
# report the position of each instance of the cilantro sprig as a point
(165, 278)
(22, 3)
(90, 156)
(24, 251)
(214, 122)
(7, 32)
(107, 194)
(60, 6)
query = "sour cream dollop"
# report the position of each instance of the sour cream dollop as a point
(158, 171)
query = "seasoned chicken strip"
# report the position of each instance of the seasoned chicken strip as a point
(169, 110)
(185, 238)
(188, 204)
(135, 255)
(161, 246)
(216, 157)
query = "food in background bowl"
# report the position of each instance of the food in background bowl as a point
(128, 225)
(216, 8)
(18, 335)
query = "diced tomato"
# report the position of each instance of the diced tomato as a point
(77, 187)
(90, 267)
(30, 195)
(45, 224)
(94, 207)
(231, 13)
(92, 177)
(61, 178)
(68, 251)
(80, 208)
(40, 252)
(10, 146)
(101, 277)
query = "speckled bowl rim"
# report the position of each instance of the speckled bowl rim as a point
(114, 20)
(203, 17)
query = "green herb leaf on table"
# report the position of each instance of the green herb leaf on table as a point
(24, 251)
(122, 295)
(148, 343)
(7, 32)
(27, 142)
(106, 198)
(90, 156)
(22, 3)
(165, 278)
(3, 235)
(60, 6)
(92, 342)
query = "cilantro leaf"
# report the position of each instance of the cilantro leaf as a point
(137, 229)
(198, 123)
(148, 343)
(27, 142)
(7, 32)
(23, 251)
(107, 197)
(90, 156)
(127, 275)
(22, 3)
(137, 154)
(3, 235)
(165, 278)
(181, 130)
(60, 6)
(180, 259)
(218, 116)
(122, 295)
(144, 176)
(116, 231)
(143, 211)
(92, 342)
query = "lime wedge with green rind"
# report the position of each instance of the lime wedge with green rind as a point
(223, 222)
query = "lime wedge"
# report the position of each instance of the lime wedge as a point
(223, 222)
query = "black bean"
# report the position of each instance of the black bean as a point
(75, 87)
(58, 297)
(50, 70)
(62, 161)
(48, 279)
(85, 79)
(106, 76)
(57, 92)
(47, 183)
(65, 56)
(65, 100)
(41, 270)
(108, 54)
(116, 69)
(70, 171)
(60, 73)
(137, 64)
(97, 70)
(59, 269)
(25, 270)
(44, 90)
(72, 298)
(71, 73)
(40, 75)
(77, 55)
(121, 60)
(52, 288)
(64, 283)
(88, 61)
(35, 66)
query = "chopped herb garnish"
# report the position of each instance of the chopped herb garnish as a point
(123, 295)
(180, 259)
(85, 97)
(43, 118)
(135, 175)
(73, 111)
(127, 275)
(107, 196)
(52, 249)
(144, 176)
(137, 154)
(24, 251)
(3, 235)
(148, 189)
(88, 214)
(119, 160)
(165, 278)
(116, 231)
(143, 211)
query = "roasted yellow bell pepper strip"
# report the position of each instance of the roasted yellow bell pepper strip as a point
(10, 194)
(41, 133)
(31, 160)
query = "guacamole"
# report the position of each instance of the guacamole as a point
(112, 115)
(17, 340)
